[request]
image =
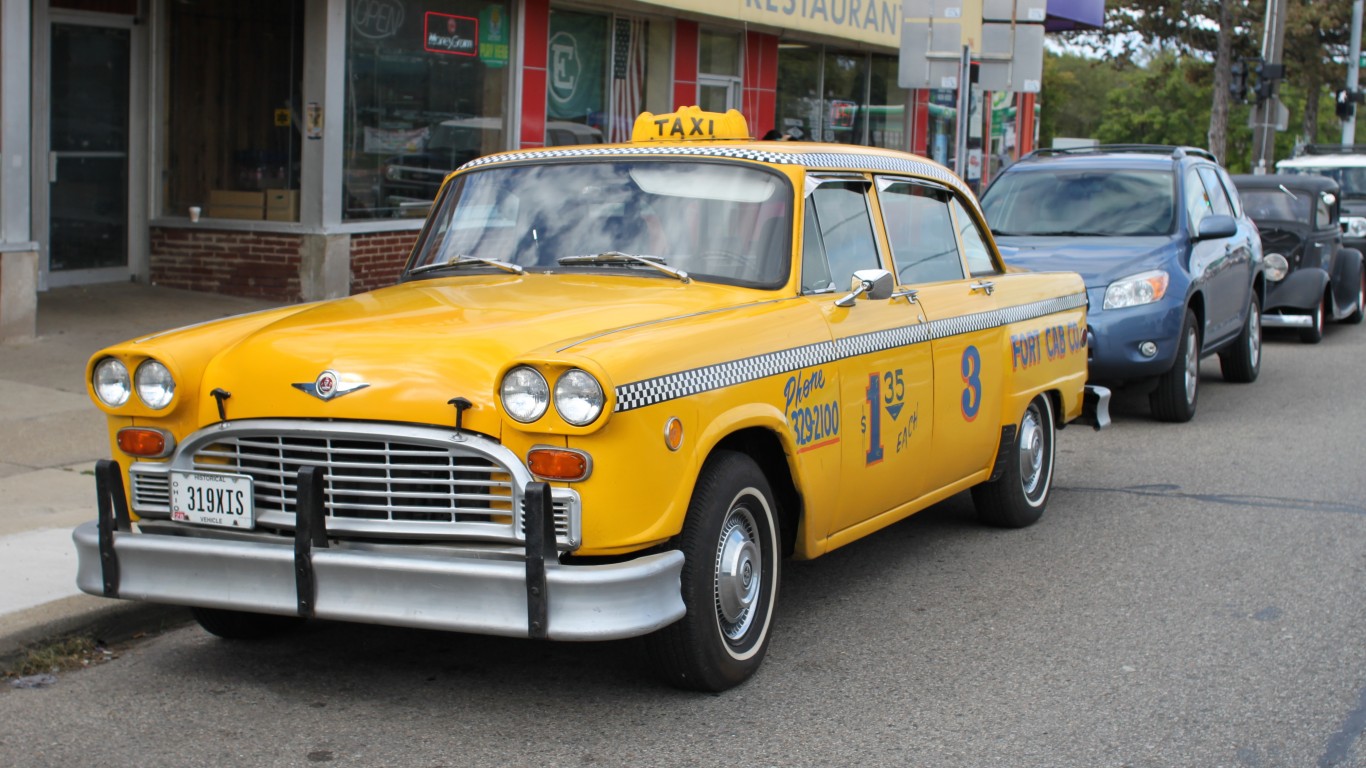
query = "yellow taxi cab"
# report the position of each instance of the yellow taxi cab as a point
(615, 387)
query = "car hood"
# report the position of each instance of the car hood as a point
(1099, 260)
(408, 350)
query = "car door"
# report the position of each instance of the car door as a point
(1226, 262)
(883, 359)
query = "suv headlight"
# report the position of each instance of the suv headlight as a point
(1275, 266)
(155, 385)
(1354, 226)
(1136, 290)
(525, 394)
(111, 382)
(578, 397)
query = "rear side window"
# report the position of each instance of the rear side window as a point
(920, 231)
(1218, 196)
(974, 242)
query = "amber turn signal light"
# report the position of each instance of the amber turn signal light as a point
(559, 464)
(137, 441)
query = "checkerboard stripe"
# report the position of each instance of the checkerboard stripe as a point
(813, 161)
(690, 382)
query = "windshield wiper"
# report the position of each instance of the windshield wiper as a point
(460, 260)
(617, 257)
(1066, 233)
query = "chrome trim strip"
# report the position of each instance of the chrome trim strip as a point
(1273, 320)
(659, 389)
(587, 602)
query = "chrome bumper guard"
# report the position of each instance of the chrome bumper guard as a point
(1095, 408)
(538, 597)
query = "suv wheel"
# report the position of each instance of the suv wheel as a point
(1242, 361)
(1178, 389)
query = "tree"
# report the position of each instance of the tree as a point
(1076, 90)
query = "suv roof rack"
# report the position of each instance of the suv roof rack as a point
(1172, 150)
(1331, 149)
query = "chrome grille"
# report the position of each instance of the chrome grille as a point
(368, 479)
(381, 481)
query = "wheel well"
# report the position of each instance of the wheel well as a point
(763, 446)
(1197, 305)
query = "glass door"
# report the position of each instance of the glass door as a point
(87, 159)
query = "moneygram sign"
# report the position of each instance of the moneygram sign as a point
(452, 35)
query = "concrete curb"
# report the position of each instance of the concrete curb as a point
(103, 619)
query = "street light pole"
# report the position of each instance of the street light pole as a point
(1349, 124)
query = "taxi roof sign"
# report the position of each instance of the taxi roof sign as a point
(690, 124)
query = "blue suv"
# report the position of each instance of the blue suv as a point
(1172, 264)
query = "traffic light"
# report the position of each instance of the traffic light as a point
(1237, 85)
(1346, 105)
(1267, 75)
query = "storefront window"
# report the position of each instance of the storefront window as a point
(426, 92)
(846, 92)
(576, 84)
(233, 129)
(839, 96)
(799, 82)
(718, 70)
(886, 106)
(943, 125)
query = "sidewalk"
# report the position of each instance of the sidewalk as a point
(53, 435)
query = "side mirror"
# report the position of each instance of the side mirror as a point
(1212, 227)
(871, 284)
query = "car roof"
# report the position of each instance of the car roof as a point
(1290, 180)
(1126, 156)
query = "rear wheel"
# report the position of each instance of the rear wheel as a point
(1314, 333)
(729, 581)
(1360, 312)
(1242, 361)
(1017, 498)
(241, 625)
(1178, 390)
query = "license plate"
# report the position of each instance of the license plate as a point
(210, 498)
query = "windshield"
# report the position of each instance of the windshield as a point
(719, 222)
(1351, 181)
(1091, 202)
(1276, 205)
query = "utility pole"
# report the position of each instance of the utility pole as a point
(1349, 124)
(1265, 116)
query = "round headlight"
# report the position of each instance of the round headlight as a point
(112, 382)
(578, 397)
(155, 386)
(1354, 226)
(1276, 267)
(525, 394)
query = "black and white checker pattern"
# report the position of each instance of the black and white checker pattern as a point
(690, 382)
(814, 161)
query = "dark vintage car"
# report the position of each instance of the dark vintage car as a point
(1311, 277)
(1172, 264)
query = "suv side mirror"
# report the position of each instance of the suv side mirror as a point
(1212, 227)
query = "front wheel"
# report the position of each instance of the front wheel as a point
(1314, 333)
(1242, 361)
(1017, 498)
(729, 581)
(1178, 389)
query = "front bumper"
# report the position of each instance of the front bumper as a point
(395, 585)
(1117, 335)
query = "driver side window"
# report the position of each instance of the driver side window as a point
(838, 238)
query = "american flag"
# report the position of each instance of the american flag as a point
(628, 76)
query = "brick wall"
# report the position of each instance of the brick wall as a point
(377, 258)
(263, 264)
(259, 265)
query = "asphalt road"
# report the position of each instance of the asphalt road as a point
(1193, 597)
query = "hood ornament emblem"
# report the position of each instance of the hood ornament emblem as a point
(329, 385)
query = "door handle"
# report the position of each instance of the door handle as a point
(985, 286)
(912, 296)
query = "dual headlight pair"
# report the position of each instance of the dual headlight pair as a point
(153, 381)
(578, 397)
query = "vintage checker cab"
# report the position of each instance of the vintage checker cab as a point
(615, 387)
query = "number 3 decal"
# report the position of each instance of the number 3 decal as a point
(972, 377)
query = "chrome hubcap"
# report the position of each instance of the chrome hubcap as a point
(1254, 335)
(1032, 447)
(739, 565)
(1192, 365)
